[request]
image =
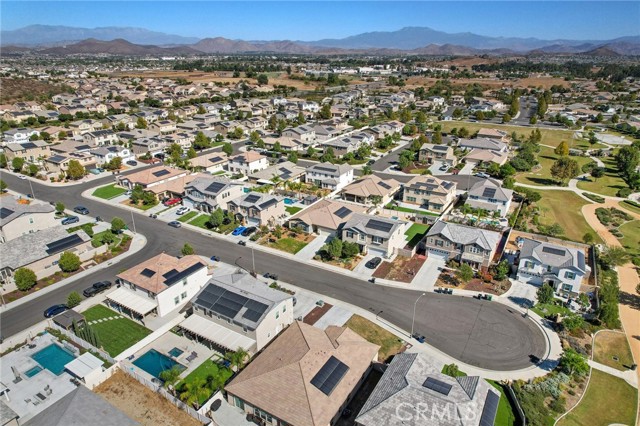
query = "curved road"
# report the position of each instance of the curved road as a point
(485, 334)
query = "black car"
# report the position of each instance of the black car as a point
(373, 263)
(371, 162)
(250, 230)
(132, 163)
(271, 276)
(55, 310)
(96, 288)
(81, 210)
(70, 219)
(242, 243)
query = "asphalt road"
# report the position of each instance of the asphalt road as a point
(488, 335)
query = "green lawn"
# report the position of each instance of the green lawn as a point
(290, 245)
(631, 236)
(389, 343)
(546, 158)
(415, 233)
(115, 335)
(551, 137)
(144, 207)
(205, 371)
(87, 227)
(544, 309)
(292, 210)
(629, 207)
(505, 415)
(200, 221)
(564, 208)
(109, 191)
(608, 400)
(408, 210)
(609, 184)
(188, 216)
(610, 344)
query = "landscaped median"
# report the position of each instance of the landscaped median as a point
(108, 192)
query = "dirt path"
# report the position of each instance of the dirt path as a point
(628, 277)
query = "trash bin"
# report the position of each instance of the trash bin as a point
(489, 297)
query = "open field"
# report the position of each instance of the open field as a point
(564, 208)
(544, 82)
(389, 343)
(631, 237)
(609, 184)
(608, 400)
(546, 158)
(610, 344)
(629, 207)
(27, 89)
(551, 137)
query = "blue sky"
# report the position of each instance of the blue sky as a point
(307, 20)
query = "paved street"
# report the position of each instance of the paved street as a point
(485, 334)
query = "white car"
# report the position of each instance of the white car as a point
(22, 177)
(182, 210)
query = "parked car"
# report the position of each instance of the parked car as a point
(29, 195)
(132, 163)
(215, 258)
(55, 310)
(373, 263)
(81, 210)
(242, 243)
(182, 210)
(22, 177)
(250, 230)
(128, 193)
(174, 224)
(96, 288)
(444, 168)
(153, 215)
(239, 230)
(482, 175)
(70, 219)
(371, 162)
(271, 276)
(172, 201)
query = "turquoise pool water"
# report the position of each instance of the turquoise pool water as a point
(175, 352)
(154, 362)
(53, 358)
(33, 371)
(289, 201)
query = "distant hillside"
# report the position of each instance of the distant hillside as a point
(117, 47)
(223, 45)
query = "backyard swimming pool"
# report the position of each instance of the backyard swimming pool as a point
(288, 201)
(53, 358)
(175, 352)
(154, 362)
(33, 371)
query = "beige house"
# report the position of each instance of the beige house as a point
(17, 219)
(430, 152)
(429, 193)
(28, 151)
(370, 189)
(305, 377)
(493, 134)
(258, 209)
(212, 162)
(375, 234)
(150, 177)
(59, 163)
(325, 216)
(247, 163)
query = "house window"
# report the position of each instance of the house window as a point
(361, 237)
(473, 249)
(176, 300)
(377, 240)
(439, 243)
(528, 264)
(567, 287)
(350, 234)
(183, 295)
(277, 314)
(411, 199)
(570, 275)
(184, 282)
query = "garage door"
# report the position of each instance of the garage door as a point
(439, 254)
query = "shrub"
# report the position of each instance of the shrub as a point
(451, 370)
(69, 262)
(73, 299)
(593, 197)
(25, 279)
(624, 192)
(487, 278)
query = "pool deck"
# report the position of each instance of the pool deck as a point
(20, 396)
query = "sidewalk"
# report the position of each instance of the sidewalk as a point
(628, 376)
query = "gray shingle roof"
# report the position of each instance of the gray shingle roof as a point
(9, 204)
(501, 194)
(553, 255)
(461, 234)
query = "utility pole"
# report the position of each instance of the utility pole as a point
(133, 222)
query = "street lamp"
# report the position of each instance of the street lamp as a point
(414, 312)
(378, 314)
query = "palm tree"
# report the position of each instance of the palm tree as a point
(194, 391)
(614, 256)
(237, 358)
(216, 382)
(171, 376)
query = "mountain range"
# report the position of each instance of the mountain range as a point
(408, 40)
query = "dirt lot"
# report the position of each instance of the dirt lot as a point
(317, 313)
(447, 279)
(14, 90)
(142, 404)
(402, 269)
(545, 82)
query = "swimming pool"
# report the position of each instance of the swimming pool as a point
(33, 371)
(288, 201)
(154, 362)
(53, 358)
(175, 352)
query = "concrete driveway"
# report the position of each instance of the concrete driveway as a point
(312, 248)
(467, 169)
(361, 270)
(435, 169)
(335, 316)
(428, 274)
(523, 294)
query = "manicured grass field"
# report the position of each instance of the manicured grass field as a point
(115, 335)
(188, 216)
(609, 184)
(415, 233)
(608, 400)
(200, 221)
(292, 210)
(564, 208)
(408, 210)
(610, 344)
(631, 239)
(109, 191)
(389, 343)
(290, 245)
(505, 415)
(629, 207)
(544, 309)
(205, 371)
(550, 137)
(546, 158)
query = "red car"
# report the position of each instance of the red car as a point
(172, 201)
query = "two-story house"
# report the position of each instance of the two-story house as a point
(159, 285)
(490, 196)
(18, 135)
(18, 219)
(211, 162)
(247, 163)
(304, 133)
(563, 268)
(429, 153)
(28, 151)
(329, 176)
(451, 241)
(210, 193)
(377, 235)
(285, 171)
(258, 209)
(105, 154)
(483, 143)
(100, 137)
(153, 146)
(429, 193)
(370, 190)
(238, 311)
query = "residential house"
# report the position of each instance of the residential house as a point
(371, 190)
(342, 146)
(152, 146)
(80, 127)
(564, 268)
(279, 173)
(451, 241)
(100, 137)
(165, 127)
(210, 193)
(305, 133)
(258, 209)
(412, 382)
(238, 311)
(211, 162)
(105, 154)
(324, 132)
(286, 144)
(500, 135)
(325, 217)
(429, 153)
(305, 377)
(59, 163)
(247, 163)
(375, 234)
(483, 143)
(150, 177)
(429, 193)
(329, 176)
(18, 135)
(490, 196)
(255, 123)
(159, 285)
(28, 151)
(477, 156)
(18, 219)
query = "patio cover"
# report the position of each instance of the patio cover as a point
(217, 334)
(139, 304)
(84, 365)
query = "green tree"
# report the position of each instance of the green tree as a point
(334, 248)
(193, 391)
(597, 172)
(325, 112)
(502, 269)
(3, 186)
(263, 79)
(17, 163)
(403, 162)
(573, 322)
(227, 148)
(149, 198)
(311, 151)
(572, 363)
(73, 299)
(627, 160)
(366, 170)
(465, 273)
(216, 218)
(588, 238)
(237, 133)
(237, 358)
(463, 132)
(187, 250)
(564, 169)
(451, 370)
(171, 376)
(614, 256)
(32, 170)
(350, 250)
(457, 113)
(25, 279)
(506, 118)
(191, 153)
(75, 170)
(545, 294)
(254, 136)
(3, 160)
(69, 262)
(293, 157)
(137, 194)
(201, 141)
(141, 123)
(436, 138)
(117, 225)
(562, 149)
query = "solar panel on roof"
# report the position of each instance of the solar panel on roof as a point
(224, 311)
(554, 251)
(256, 306)
(162, 172)
(215, 187)
(252, 198)
(384, 185)
(268, 203)
(57, 158)
(215, 159)
(379, 225)
(329, 375)
(4, 212)
(63, 244)
(324, 169)
(489, 192)
(252, 315)
(437, 385)
(148, 272)
(490, 409)
(180, 275)
(28, 145)
(342, 212)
